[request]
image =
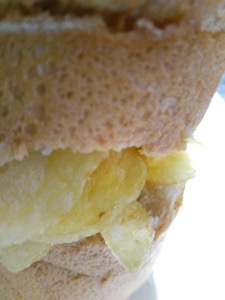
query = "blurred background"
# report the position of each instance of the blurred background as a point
(191, 264)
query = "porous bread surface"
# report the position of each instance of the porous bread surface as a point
(46, 281)
(76, 82)
(87, 269)
(6, 289)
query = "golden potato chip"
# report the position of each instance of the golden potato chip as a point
(171, 169)
(38, 191)
(118, 179)
(130, 237)
(17, 257)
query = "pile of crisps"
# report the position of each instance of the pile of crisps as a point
(66, 196)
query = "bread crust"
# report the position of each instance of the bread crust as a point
(87, 269)
(73, 82)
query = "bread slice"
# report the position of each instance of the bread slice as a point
(84, 82)
(87, 269)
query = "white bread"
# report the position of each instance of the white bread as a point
(98, 82)
(85, 83)
(87, 269)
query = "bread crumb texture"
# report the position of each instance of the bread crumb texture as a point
(87, 269)
(74, 81)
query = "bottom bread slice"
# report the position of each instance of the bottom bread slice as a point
(87, 269)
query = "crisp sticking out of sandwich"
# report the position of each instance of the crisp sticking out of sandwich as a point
(97, 102)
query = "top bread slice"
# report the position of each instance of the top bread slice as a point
(97, 80)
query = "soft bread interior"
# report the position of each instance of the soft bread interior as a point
(87, 269)
(72, 82)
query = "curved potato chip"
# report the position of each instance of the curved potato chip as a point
(38, 191)
(129, 239)
(118, 179)
(171, 169)
(17, 257)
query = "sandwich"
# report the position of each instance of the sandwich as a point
(98, 100)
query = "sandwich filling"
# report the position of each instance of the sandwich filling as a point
(63, 197)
